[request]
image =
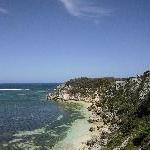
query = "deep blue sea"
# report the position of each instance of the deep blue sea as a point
(29, 121)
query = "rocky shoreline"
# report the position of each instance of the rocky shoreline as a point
(96, 134)
(120, 110)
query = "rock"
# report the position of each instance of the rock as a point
(93, 119)
(104, 135)
(92, 129)
(99, 127)
(99, 111)
(90, 120)
(89, 108)
(98, 104)
(91, 142)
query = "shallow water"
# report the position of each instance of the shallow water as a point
(76, 134)
(29, 121)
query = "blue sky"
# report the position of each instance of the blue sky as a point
(55, 40)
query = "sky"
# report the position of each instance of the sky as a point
(55, 40)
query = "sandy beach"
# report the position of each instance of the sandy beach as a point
(79, 133)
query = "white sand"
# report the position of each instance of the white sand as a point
(79, 133)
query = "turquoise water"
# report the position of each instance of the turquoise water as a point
(29, 121)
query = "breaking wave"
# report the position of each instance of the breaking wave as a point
(14, 89)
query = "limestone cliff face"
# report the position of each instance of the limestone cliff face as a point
(84, 89)
(64, 93)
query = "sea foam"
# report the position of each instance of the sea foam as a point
(14, 89)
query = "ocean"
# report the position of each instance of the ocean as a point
(29, 121)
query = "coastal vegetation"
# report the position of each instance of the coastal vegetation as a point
(124, 109)
(131, 104)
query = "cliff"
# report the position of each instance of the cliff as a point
(86, 89)
(123, 105)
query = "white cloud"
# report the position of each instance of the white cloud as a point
(84, 8)
(3, 11)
